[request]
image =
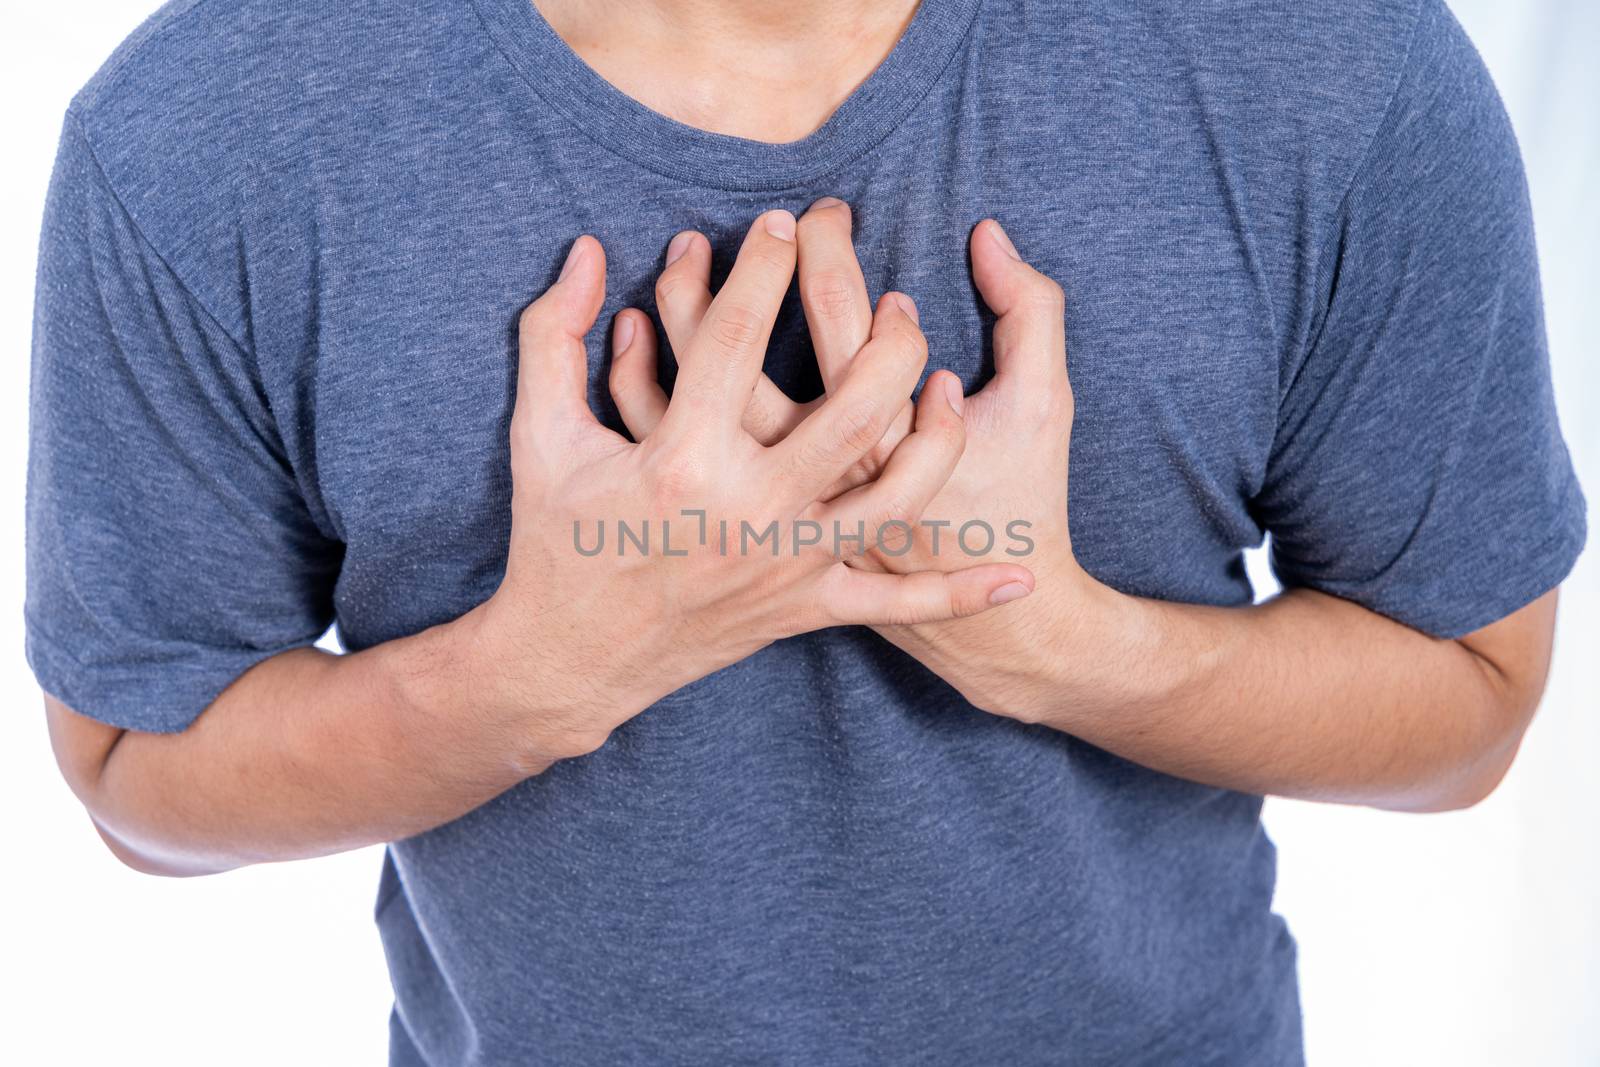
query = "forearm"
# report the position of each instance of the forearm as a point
(1305, 695)
(308, 754)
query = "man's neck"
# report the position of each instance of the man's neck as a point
(763, 69)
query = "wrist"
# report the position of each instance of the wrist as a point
(1092, 652)
(501, 691)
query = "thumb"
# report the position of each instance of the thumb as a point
(1030, 343)
(864, 598)
(553, 362)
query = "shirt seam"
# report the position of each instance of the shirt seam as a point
(273, 439)
(866, 145)
(1356, 175)
(76, 119)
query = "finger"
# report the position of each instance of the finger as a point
(723, 362)
(634, 386)
(772, 416)
(1030, 333)
(683, 294)
(832, 289)
(853, 597)
(917, 469)
(683, 291)
(553, 362)
(870, 465)
(846, 425)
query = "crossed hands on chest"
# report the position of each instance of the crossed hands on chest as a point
(736, 516)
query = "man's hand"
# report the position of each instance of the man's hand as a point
(308, 753)
(590, 629)
(1007, 498)
(1305, 695)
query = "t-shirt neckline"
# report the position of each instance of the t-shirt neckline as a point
(570, 87)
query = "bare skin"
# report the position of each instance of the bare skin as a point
(766, 72)
(309, 753)
(1304, 696)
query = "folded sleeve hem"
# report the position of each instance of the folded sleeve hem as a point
(1548, 567)
(161, 698)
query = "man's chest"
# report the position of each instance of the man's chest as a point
(404, 400)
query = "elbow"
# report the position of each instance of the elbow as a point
(163, 861)
(1512, 686)
(1466, 789)
(146, 863)
(85, 750)
(85, 782)
(1469, 781)
(1510, 662)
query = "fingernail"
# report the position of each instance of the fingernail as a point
(999, 234)
(827, 202)
(780, 224)
(952, 389)
(623, 335)
(907, 305)
(574, 256)
(1008, 592)
(678, 246)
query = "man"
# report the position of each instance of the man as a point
(688, 808)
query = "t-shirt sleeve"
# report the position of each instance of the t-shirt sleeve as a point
(1418, 468)
(168, 546)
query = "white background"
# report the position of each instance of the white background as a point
(1469, 940)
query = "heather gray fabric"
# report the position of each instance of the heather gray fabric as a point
(285, 250)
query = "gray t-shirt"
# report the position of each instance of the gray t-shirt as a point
(285, 250)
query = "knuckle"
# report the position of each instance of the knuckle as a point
(912, 347)
(902, 352)
(736, 327)
(760, 422)
(898, 504)
(771, 257)
(832, 594)
(678, 479)
(1046, 294)
(1063, 396)
(830, 294)
(857, 426)
(868, 467)
(1056, 400)
(910, 609)
(524, 438)
(672, 286)
(906, 615)
(1036, 408)
(531, 321)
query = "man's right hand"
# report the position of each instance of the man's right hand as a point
(575, 642)
(308, 753)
